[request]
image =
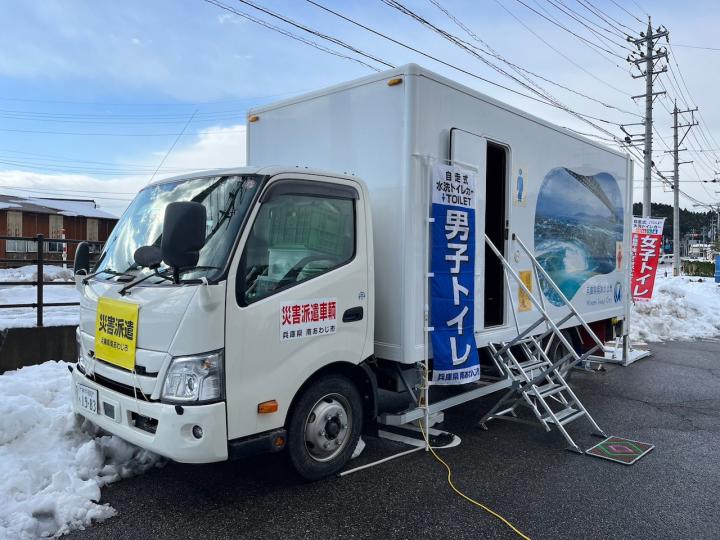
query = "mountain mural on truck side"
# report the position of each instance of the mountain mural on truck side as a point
(578, 229)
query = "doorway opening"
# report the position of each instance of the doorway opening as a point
(495, 228)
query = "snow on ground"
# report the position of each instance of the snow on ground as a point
(51, 468)
(681, 308)
(24, 317)
(29, 273)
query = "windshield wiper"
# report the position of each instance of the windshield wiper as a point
(163, 275)
(107, 271)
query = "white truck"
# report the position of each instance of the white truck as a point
(260, 308)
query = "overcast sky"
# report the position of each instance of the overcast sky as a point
(93, 94)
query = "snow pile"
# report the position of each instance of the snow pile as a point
(29, 273)
(51, 470)
(25, 317)
(681, 308)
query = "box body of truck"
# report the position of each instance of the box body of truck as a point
(566, 197)
(245, 310)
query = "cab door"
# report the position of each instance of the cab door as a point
(297, 295)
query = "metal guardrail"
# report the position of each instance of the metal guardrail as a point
(40, 261)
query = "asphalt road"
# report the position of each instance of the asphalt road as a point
(671, 400)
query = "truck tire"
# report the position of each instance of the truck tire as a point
(324, 427)
(558, 350)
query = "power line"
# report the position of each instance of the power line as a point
(42, 188)
(566, 29)
(289, 34)
(172, 146)
(697, 47)
(53, 159)
(535, 88)
(583, 69)
(149, 104)
(607, 26)
(42, 192)
(626, 11)
(577, 17)
(492, 52)
(309, 30)
(107, 171)
(105, 134)
(604, 15)
(422, 53)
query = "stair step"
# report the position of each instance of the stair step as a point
(549, 389)
(564, 416)
(532, 364)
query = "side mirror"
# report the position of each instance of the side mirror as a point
(148, 257)
(81, 265)
(183, 234)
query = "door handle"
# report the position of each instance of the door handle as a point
(353, 314)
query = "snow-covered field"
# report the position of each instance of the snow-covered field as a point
(51, 469)
(681, 308)
(24, 317)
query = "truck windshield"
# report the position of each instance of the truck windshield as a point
(226, 199)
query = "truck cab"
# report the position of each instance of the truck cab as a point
(231, 312)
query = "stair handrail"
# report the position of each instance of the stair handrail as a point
(527, 291)
(564, 298)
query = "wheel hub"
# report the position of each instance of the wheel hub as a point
(327, 428)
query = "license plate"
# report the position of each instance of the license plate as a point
(87, 398)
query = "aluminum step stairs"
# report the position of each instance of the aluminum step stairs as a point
(537, 380)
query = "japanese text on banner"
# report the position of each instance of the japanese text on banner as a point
(452, 288)
(646, 244)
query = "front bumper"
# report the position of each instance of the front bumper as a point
(129, 418)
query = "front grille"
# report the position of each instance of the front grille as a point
(139, 370)
(119, 387)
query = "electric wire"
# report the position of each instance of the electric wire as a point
(450, 482)
(606, 26)
(577, 17)
(534, 88)
(697, 47)
(108, 134)
(603, 14)
(42, 192)
(309, 30)
(626, 11)
(425, 54)
(559, 52)
(489, 50)
(289, 34)
(549, 18)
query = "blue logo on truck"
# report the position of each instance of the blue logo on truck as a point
(452, 288)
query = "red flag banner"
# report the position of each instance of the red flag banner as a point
(646, 244)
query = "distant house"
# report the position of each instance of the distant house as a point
(77, 219)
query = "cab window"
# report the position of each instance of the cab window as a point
(295, 237)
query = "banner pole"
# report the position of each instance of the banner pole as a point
(428, 277)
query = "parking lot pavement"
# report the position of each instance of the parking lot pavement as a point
(671, 400)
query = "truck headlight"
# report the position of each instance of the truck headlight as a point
(82, 359)
(198, 378)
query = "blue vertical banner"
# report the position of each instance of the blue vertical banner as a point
(452, 285)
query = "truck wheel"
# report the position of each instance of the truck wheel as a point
(324, 427)
(558, 350)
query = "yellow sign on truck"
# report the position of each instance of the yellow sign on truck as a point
(116, 332)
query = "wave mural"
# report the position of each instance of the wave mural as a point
(578, 222)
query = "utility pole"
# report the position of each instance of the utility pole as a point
(649, 57)
(676, 179)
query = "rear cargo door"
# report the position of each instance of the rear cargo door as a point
(469, 151)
